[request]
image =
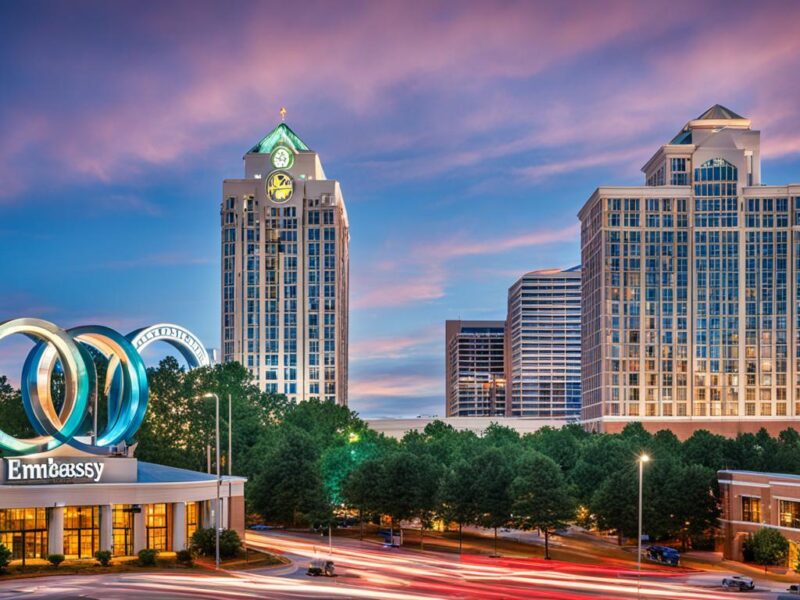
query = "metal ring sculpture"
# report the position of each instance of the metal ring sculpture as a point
(71, 348)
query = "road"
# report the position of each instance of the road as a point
(367, 570)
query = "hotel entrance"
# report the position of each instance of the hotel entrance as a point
(81, 531)
(24, 532)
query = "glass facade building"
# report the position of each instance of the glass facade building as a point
(476, 383)
(690, 288)
(285, 271)
(543, 352)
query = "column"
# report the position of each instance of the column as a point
(106, 527)
(224, 515)
(178, 526)
(55, 531)
(139, 530)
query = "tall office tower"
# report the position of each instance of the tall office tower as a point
(690, 285)
(543, 345)
(476, 384)
(285, 271)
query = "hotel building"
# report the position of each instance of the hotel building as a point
(475, 380)
(74, 494)
(543, 345)
(690, 289)
(285, 271)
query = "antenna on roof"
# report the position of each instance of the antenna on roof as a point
(283, 113)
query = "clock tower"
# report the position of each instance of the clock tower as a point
(285, 271)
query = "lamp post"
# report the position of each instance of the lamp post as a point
(642, 459)
(217, 506)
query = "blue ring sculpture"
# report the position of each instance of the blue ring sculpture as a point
(126, 383)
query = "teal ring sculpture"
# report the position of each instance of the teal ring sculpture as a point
(126, 384)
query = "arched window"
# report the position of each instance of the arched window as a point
(716, 169)
(715, 190)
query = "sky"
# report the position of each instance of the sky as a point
(466, 137)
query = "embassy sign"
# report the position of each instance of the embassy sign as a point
(58, 469)
(50, 471)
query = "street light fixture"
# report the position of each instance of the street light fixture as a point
(219, 480)
(643, 458)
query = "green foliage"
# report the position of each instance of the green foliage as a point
(5, 556)
(204, 542)
(12, 415)
(55, 559)
(541, 498)
(184, 557)
(494, 477)
(103, 557)
(147, 557)
(768, 546)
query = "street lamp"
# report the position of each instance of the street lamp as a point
(643, 458)
(219, 480)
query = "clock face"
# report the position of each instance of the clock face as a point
(280, 186)
(282, 158)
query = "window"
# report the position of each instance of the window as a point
(81, 531)
(24, 532)
(192, 521)
(751, 509)
(789, 512)
(122, 529)
(156, 521)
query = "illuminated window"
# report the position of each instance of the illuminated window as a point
(789, 513)
(122, 529)
(81, 531)
(24, 532)
(751, 509)
(157, 523)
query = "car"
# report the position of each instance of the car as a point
(794, 589)
(260, 527)
(738, 582)
(664, 554)
(320, 566)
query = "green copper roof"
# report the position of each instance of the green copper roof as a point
(281, 135)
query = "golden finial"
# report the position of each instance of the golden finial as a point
(283, 113)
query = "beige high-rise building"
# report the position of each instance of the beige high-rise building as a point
(285, 271)
(690, 289)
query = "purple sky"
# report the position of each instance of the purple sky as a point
(466, 136)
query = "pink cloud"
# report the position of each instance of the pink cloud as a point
(396, 347)
(387, 386)
(423, 273)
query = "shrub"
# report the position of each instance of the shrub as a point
(5, 556)
(147, 557)
(769, 546)
(204, 542)
(55, 559)
(103, 557)
(184, 557)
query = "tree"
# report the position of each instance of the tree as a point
(289, 485)
(494, 477)
(361, 490)
(540, 496)
(769, 547)
(615, 503)
(459, 496)
(13, 419)
(694, 507)
(705, 448)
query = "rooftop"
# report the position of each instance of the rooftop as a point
(282, 135)
(152, 473)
